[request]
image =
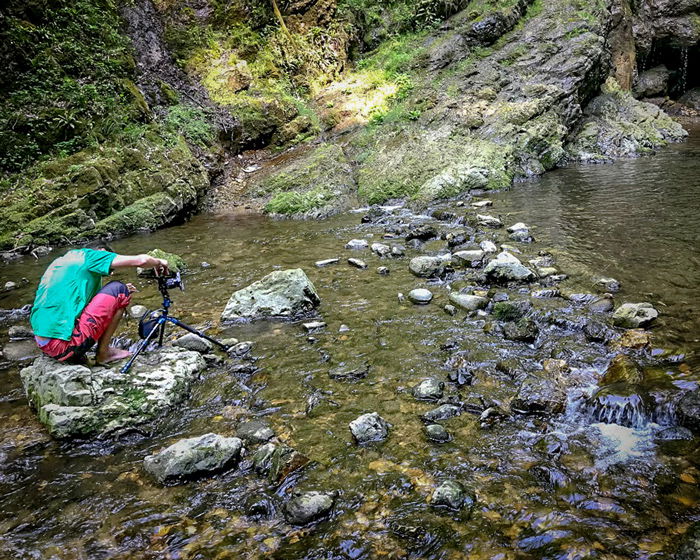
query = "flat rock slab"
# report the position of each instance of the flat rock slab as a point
(283, 293)
(193, 457)
(75, 400)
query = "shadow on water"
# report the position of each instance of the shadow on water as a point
(597, 481)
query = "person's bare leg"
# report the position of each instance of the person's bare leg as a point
(106, 353)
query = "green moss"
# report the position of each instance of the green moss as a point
(507, 311)
(192, 123)
(298, 202)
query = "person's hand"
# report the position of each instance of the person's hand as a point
(131, 288)
(160, 267)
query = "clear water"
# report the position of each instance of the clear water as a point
(570, 486)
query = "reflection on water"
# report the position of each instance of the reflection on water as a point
(567, 487)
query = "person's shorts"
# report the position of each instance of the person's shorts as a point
(91, 324)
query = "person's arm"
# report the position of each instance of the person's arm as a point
(144, 261)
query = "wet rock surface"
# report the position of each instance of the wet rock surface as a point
(634, 315)
(74, 400)
(305, 507)
(369, 427)
(193, 457)
(283, 293)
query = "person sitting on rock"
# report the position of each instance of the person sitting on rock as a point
(72, 311)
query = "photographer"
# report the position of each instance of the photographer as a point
(72, 311)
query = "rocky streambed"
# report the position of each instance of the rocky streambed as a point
(466, 388)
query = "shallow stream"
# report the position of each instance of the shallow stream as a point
(569, 485)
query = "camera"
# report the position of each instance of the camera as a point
(170, 282)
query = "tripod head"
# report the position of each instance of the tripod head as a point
(170, 282)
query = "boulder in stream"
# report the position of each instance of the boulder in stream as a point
(75, 400)
(539, 395)
(428, 267)
(369, 427)
(282, 293)
(451, 494)
(689, 410)
(507, 268)
(305, 507)
(193, 457)
(634, 315)
(428, 390)
(468, 302)
(278, 461)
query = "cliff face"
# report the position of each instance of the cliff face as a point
(417, 100)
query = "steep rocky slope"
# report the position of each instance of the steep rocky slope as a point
(120, 117)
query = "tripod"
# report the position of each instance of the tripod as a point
(159, 321)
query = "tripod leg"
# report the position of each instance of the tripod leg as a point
(144, 343)
(186, 327)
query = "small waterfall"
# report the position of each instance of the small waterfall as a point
(625, 410)
(684, 69)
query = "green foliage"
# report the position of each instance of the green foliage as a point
(63, 82)
(192, 123)
(298, 202)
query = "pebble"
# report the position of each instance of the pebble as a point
(357, 263)
(450, 310)
(343, 328)
(381, 249)
(383, 270)
(401, 297)
(607, 285)
(326, 262)
(397, 251)
(204, 265)
(9, 286)
(420, 296)
(137, 311)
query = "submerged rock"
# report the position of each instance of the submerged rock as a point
(437, 433)
(278, 461)
(20, 332)
(74, 400)
(350, 371)
(193, 456)
(357, 263)
(175, 263)
(622, 369)
(507, 268)
(539, 395)
(690, 544)
(255, 431)
(283, 293)
(689, 410)
(429, 390)
(369, 427)
(522, 330)
(607, 285)
(634, 315)
(488, 221)
(451, 494)
(442, 412)
(305, 507)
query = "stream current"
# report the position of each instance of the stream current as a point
(581, 484)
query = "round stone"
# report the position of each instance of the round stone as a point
(420, 296)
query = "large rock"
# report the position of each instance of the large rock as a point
(193, 456)
(451, 494)
(428, 267)
(689, 410)
(507, 268)
(652, 82)
(428, 390)
(369, 427)
(305, 507)
(468, 302)
(634, 315)
(283, 293)
(278, 461)
(539, 395)
(617, 126)
(74, 400)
